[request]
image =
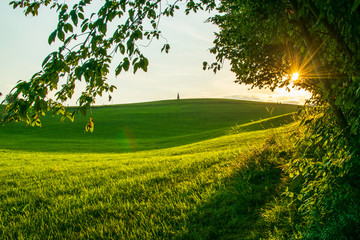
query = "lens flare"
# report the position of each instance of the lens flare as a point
(295, 76)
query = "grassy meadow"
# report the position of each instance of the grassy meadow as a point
(141, 126)
(189, 169)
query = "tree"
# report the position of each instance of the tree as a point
(267, 42)
(88, 49)
(280, 38)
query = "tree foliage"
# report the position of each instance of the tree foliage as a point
(89, 42)
(266, 42)
(8, 98)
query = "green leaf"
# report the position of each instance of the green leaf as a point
(123, 65)
(166, 47)
(83, 110)
(74, 17)
(122, 48)
(43, 105)
(84, 28)
(42, 92)
(102, 28)
(81, 16)
(112, 87)
(205, 64)
(144, 64)
(69, 27)
(137, 34)
(61, 35)
(37, 105)
(355, 6)
(131, 14)
(130, 46)
(46, 60)
(52, 37)
(300, 197)
(118, 69)
(136, 66)
(126, 64)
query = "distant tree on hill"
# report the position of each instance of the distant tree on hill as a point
(178, 96)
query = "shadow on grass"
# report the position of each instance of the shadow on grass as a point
(235, 210)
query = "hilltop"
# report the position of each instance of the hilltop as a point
(145, 126)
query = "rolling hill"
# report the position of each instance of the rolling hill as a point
(189, 169)
(144, 126)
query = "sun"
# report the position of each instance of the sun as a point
(295, 76)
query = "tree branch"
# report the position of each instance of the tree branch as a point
(332, 30)
(309, 42)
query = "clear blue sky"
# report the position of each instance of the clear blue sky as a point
(23, 46)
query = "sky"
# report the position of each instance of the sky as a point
(23, 46)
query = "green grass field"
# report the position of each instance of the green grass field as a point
(142, 126)
(194, 169)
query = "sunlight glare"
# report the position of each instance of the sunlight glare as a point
(295, 76)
